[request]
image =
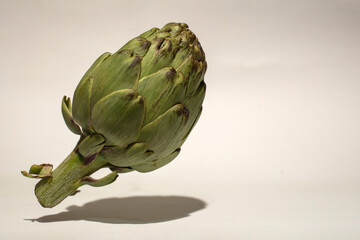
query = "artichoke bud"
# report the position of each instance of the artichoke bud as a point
(149, 81)
(132, 109)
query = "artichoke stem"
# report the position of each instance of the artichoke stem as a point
(65, 179)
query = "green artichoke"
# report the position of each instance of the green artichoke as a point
(132, 109)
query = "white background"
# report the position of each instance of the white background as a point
(275, 154)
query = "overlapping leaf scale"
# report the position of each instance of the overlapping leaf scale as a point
(68, 118)
(127, 156)
(81, 103)
(186, 37)
(91, 145)
(190, 127)
(150, 33)
(95, 65)
(153, 165)
(160, 54)
(161, 132)
(163, 90)
(139, 45)
(82, 94)
(163, 33)
(181, 57)
(194, 70)
(120, 71)
(174, 28)
(193, 106)
(119, 117)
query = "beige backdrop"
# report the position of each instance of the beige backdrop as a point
(275, 154)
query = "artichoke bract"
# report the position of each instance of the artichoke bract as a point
(132, 109)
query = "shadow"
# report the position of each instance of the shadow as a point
(132, 210)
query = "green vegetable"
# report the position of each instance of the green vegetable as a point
(132, 109)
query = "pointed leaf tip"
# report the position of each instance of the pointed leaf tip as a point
(111, 177)
(119, 116)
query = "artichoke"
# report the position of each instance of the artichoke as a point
(132, 109)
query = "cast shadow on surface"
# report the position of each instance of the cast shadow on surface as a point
(131, 210)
